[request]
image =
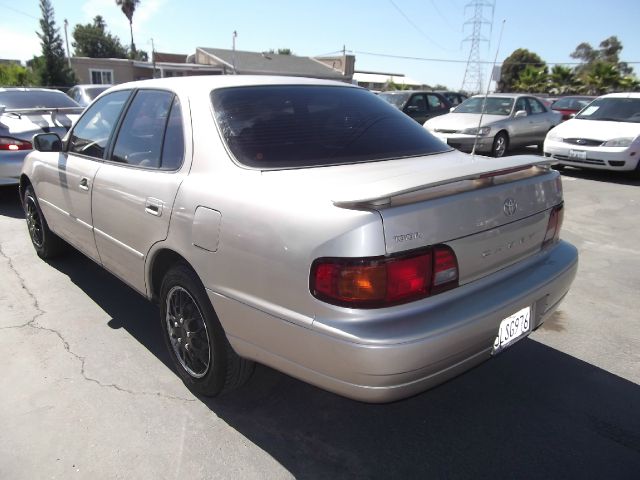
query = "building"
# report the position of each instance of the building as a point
(378, 81)
(210, 61)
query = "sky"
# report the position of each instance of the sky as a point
(375, 30)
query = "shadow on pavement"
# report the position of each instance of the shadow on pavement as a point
(10, 202)
(532, 412)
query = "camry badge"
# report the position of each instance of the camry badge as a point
(510, 207)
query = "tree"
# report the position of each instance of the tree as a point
(563, 81)
(128, 7)
(93, 40)
(603, 77)
(532, 79)
(609, 52)
(51, 68)
(513, 66)
(14, 75)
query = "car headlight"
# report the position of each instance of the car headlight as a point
(477, 131)
(554, 138)
(618, 142)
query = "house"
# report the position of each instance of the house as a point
(210, 61)
(378, 81)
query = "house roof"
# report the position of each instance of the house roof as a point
(272, 63)
(170, 57)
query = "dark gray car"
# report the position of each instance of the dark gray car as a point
(419, 105)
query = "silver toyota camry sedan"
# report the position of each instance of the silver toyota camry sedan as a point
(304, 224)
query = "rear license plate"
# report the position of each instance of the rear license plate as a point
(512, 329)
(578, 154)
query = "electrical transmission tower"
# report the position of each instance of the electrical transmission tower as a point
(472, 81)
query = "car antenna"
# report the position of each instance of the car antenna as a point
(484, 100)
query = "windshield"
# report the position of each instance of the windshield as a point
(93, 92)
(270, 127)
(570, 103)
(396, 99)
(494, 105)
(36, 99)
(613, 110)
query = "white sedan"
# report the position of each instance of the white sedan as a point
(604, 135)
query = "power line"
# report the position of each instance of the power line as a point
(452, 60)
(416, 26)
(435, 7)
(18, 11)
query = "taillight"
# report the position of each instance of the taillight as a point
(375, 282)
(13, 144)
(553, 227)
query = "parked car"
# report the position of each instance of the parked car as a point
(23, 113)
(419, 105)
(304, 224)
(454, 98)
(568, 106)
(604, 135)
(85, 94)
(509, 121)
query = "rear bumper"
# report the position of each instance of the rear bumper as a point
(440, 337)
(465, 143)
(11, 166)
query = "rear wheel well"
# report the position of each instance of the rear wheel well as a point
(162, 263)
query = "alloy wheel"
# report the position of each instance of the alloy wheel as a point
(34, 223)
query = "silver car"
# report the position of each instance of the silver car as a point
(509, 121)
(85, 94)
(306, 225)
(25, 112)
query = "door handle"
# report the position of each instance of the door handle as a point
(84, 184)
(153, 206)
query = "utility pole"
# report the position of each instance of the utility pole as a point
(66, 38)
(153, 58)
(472, 81)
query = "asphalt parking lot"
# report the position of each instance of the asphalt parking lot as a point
(86, 390)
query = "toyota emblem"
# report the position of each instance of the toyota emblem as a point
(510, 207)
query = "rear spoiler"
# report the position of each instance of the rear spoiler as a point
(27, 111)
(449, 186)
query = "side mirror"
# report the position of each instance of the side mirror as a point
(520, 114)
(412, 109)
(47, 142)
(573, 115)
(452, 109)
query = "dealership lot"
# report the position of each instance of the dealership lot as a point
(86, 390)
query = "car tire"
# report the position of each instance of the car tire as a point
(559, 167)
(197, 344)
(500, 145)
(46, 243)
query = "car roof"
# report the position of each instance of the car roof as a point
(505, 95)
(206, 83)
(622, 95)
(29, 89)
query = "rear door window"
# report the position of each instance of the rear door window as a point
(140, 137)
(293, 126)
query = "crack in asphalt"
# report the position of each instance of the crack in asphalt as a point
(33, 324)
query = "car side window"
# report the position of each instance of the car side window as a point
(419, 102)
(435, 102)
(91, 134)
(140, 137)
(536, 106)
(173, 146)
(521, 104)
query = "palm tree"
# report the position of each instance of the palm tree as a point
(564, 80)
(602, 77)
(533, 80)
(128, 7)
(629, 84)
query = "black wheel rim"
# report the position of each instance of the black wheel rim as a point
(188, 332)
(34, 222)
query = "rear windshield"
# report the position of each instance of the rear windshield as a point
(272, 127)
(36, 99)
(93, 92)
(493, 106)
(396, 99)
(612, 110)
(571, 103)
